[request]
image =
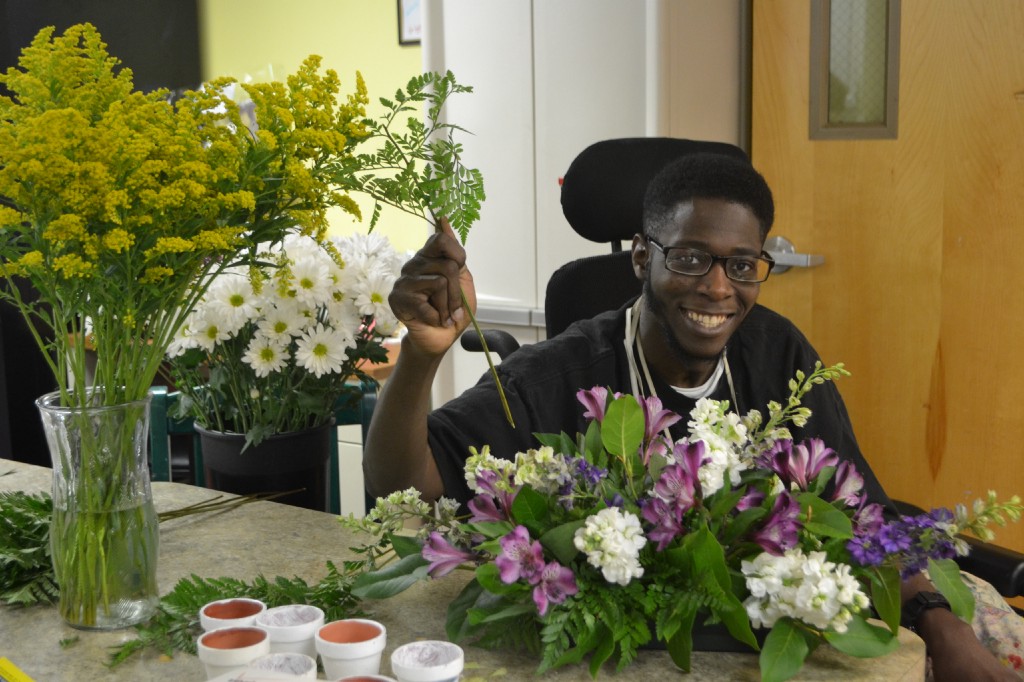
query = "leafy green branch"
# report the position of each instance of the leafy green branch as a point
(418, 168)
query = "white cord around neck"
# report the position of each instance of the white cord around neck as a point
(637, 361)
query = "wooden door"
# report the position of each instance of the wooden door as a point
(922, 294)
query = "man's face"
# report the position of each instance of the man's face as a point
(690, 318)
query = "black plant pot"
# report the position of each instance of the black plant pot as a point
(298, 461)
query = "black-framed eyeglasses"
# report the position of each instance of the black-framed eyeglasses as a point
(687, 261)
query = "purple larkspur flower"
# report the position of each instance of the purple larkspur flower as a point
(800, 464)
(590, 474)
(443, 556)
(520, 558)
(866, 550)
(894, 538)
(594, 400)
(556, 584)
(849, 484)
(779, 532)
(666, 521)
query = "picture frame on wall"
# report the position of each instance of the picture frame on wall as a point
(410, 23)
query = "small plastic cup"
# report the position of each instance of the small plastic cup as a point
(351, 647)
(230, 649)
(292, 628)
(367, 678)
(427, 661)
(299, 666)
(235, 612)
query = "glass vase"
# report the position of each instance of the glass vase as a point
(104, 536)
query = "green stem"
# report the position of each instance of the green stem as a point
(490, 361)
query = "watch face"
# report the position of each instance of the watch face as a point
(918, 604)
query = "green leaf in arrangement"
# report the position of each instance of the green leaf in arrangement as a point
(862, 639)
(784, 652)
(391, 580)
(946, 575)
(622, 430)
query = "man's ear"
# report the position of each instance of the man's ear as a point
(641, 256)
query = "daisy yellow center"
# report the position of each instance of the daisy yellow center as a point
(211, 331)
(376, 298)
(267, 354)
(237, 300)
(306, 283)
(280, 327)
(320, 350)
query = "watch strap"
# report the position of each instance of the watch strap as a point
(918, 604)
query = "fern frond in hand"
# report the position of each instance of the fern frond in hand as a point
(417, 166)
(26, 573)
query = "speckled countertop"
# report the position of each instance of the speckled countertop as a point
(274, 539)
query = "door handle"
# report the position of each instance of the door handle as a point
(786, 257)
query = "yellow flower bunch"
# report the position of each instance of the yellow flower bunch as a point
(116, 204)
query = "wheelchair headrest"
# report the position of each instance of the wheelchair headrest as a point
(603, 190)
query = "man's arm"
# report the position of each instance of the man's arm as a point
(956, 653)
(427, 298)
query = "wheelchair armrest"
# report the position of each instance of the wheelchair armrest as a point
(499, 341)
(1002, 567)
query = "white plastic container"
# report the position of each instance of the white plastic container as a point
(229, 649)
(236, 612)
(298, 666)
(292, 628)
(351, 647)
(427, 661)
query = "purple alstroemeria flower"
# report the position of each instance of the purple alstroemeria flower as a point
(595, 400)
(690, 456)
(487, 481)
(800, 464)
(656, 420)
(677, 486)
(752, 499)
(779, 532)
(557, 583)
(666, 521)
(443, 556)
(849, 484)
(520, 558)
(868, 519)
(484, 509)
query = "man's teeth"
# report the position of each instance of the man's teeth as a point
(709, 321)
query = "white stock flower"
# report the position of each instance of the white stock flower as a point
(542, 470)
(725, 435)
(322, 350)
(612, 540)
(806, 587)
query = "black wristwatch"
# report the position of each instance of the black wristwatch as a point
(918, 604)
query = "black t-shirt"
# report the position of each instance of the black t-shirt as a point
(541, 381)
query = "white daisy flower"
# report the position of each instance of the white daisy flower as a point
(371, 295)
(322, 350)
(282, 320)
(266, 355)
(231, 299)
(310, 281)
(207, 331)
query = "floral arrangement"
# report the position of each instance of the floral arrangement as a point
(116, 207)
(119, 202)
(621, 537)
(268, 350)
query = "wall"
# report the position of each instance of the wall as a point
(269, 39)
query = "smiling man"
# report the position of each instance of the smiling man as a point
(696, 331)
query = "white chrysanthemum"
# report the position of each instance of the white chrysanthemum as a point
(231, 300)
(371, 295)
(310, 279)
(322, 350)
(612, 540)
(542, 470)
(806, 587)
(207, 332)
(283, 320)
(266, 355)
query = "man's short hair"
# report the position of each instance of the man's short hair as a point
(707, 176)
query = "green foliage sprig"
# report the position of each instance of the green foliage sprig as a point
(175, 627)
(26, 572)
